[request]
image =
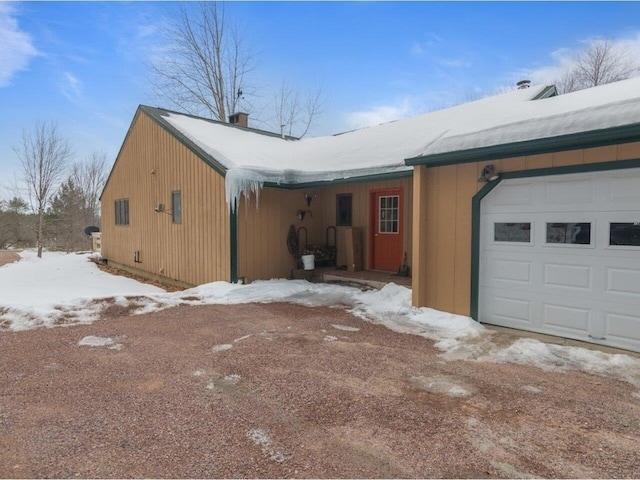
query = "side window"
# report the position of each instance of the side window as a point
(569, 233)
(516, 232)
(176, 206)
(344, 202)
(122, 211)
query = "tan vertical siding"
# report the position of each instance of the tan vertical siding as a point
(150, 166)
(262, 232)
(448, 191)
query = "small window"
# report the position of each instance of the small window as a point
(517, 232)
(176, 206)
(569, 233)
(343, 209)
(388, 214)
(626, 234)
(122, 211)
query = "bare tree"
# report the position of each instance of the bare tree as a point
(600, 63)
(205, 69)
(294, 112)
(44, 155)
(90, 176)
(205, 66)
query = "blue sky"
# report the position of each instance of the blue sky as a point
(83, 64)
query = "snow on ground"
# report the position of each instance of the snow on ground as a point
(39, 292)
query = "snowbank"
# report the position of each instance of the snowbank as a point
(41, 292)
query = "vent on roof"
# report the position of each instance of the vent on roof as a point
(241, 119)
(523, 84)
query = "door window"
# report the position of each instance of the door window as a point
(388, 214)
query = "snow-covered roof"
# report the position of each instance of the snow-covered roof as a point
(373, 150)
(250, 157)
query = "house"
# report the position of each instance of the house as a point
(534, 221)
(520, 210)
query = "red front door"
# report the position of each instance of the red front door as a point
(386, 216)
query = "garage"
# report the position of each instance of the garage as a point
(560, 255)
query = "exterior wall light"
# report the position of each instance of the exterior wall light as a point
(489, 174)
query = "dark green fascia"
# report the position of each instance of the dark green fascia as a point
(476, 204)
(157, 114)
(233, 242)
(342, 181)
(548, 92)
(594, 138)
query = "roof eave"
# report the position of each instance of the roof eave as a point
(572, 141)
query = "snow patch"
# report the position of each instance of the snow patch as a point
(440, 385)
(330, 338)
(263, 440)
(345, 328)
(221, 348)
(93, 341)
(233, 378)
(531, 389)
(198, 373)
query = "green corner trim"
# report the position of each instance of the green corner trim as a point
(233, 242)
(476, 204)
(560, 143)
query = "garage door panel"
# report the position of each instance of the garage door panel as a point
(563, 192)
(511, 309)
(566, 317)
(622, 327)
(515, 194)
(567, 276)
(623, 281)
(624, 189)
(506, 270)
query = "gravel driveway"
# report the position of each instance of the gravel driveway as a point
(287, 391)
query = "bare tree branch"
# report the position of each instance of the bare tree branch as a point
(205, 64)
(90, 176)
(600, 63)
(294, 113)
(44, 155)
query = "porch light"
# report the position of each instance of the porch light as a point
(308, 198)
(489, 174)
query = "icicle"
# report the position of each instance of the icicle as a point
(242, 182)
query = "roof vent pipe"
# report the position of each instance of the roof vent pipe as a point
(522, 84)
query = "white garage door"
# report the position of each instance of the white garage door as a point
(561, 255)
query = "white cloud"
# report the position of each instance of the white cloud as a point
(379, 114)
(16, 46)
(71, 87)
(563, 58)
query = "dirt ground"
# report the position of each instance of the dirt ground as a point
(287, 391)
(8, 257)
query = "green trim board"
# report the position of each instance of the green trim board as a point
(560, 143)
(476, 205)
(233, 243)
(341, 181)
